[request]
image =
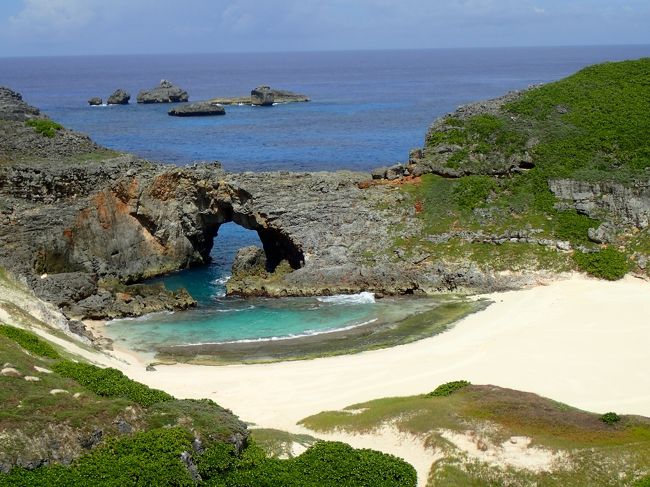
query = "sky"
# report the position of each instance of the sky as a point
(92, 27)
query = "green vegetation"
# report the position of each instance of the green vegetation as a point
(448, 389)
(81, 422)
(45, 127)
(610, 418)
(592, 127)
(110, 382)
(29, 342)
(607, 264)
(472, 191)
(155, 458)
(280, 444)
(592, 453)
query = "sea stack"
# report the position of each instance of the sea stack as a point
(262, 96)
(119, 97)
(166, 92)
(94, 101)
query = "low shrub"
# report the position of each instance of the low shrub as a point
(149, 458)
(607, 264)
(110, 382)
(610, 418)
(472, 191)
(45, 127)
(325, 464)
(29, 342)
(573, 227)
(448, 389)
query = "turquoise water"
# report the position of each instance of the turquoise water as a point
(219, 319)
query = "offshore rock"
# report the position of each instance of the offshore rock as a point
(95, 101)
(279, 96)
(119, 97)
(262, 96)
(166, 92)
(198, 109)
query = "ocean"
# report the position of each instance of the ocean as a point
(368, 109)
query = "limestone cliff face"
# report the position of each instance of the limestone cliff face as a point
(81, 231)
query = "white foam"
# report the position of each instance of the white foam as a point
(360, 298)
(308, 333)
(221, 281)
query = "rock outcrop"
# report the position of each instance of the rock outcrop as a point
(166, 92)
(119, 97)
(95, 101)
(262, 96)
(279, 97)
(83, 234)
(198, 109)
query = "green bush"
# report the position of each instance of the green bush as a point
(325, 464)
(607, 264)
(610, 418)
(472, 191)
(45, 127)
(154, 458)
(110, 382)
(448, 389)
(573, 227)
(29, 342)
(148, 458)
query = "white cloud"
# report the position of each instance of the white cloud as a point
(54, 15)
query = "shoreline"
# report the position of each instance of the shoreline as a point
(531, 340)
(580, 341)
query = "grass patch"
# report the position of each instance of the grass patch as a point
(29, 342)
(45, 127)
(110, 382)
(596, 453)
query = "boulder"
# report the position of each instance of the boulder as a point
(198, 109)
(119, 97)
(262, 96)
(95, 100)
(249, 261)
(166, 92)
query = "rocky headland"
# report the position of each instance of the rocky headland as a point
(82, 226)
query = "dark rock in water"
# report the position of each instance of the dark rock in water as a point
(280, 96)
(166, 92)
(150, 368)
(262, 96)
(198, 109)
(94, 101)
(119, 97)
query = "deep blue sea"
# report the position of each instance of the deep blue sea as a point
(368, 109)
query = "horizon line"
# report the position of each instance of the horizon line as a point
(314, 51)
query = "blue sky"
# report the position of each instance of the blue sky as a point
(62, 27)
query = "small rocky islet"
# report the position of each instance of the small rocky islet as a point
(167, 92)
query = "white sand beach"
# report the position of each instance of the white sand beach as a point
(580, 341)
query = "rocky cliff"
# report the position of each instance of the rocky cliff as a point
(83, 226)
